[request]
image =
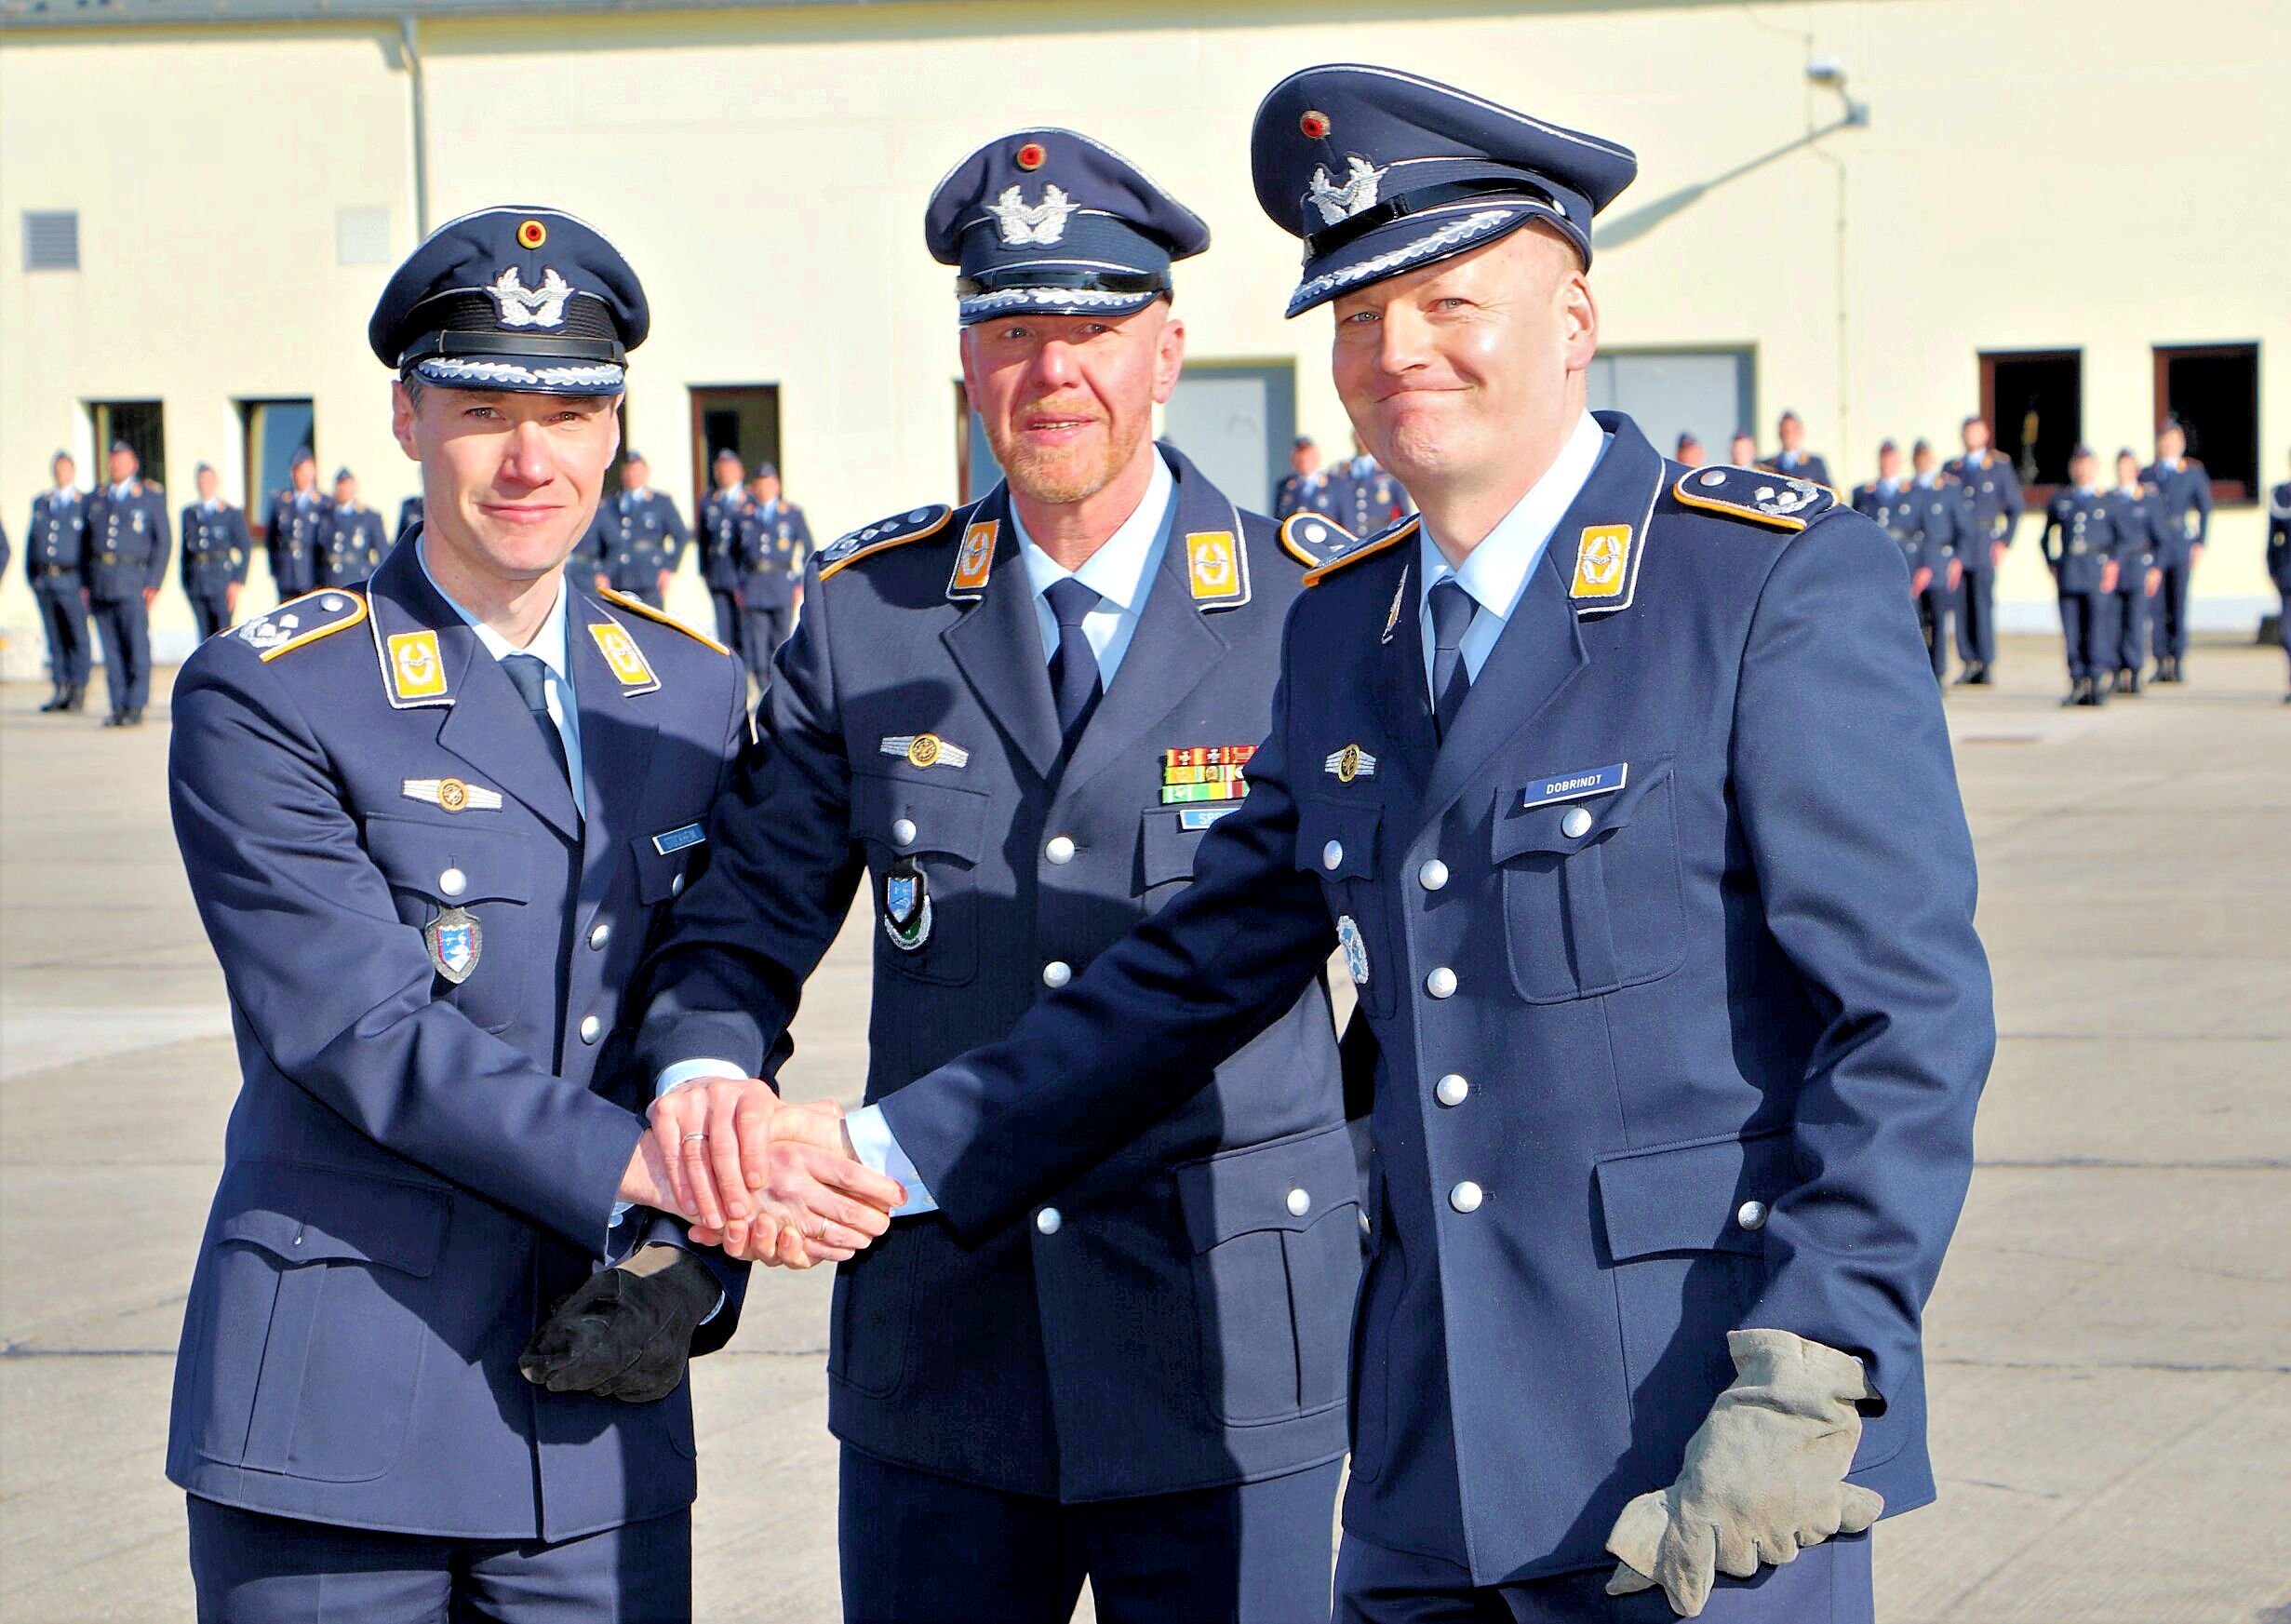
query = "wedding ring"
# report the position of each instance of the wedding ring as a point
(689, 1137)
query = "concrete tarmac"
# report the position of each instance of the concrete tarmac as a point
(2110, 1346)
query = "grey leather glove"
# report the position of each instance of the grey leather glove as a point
(1763, 1476)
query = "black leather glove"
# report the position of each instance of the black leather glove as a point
(627, 1333)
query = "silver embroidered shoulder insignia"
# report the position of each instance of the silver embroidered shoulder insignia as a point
(1759, 495)
(896, 530)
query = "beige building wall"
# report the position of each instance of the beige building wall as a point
(2043, 174)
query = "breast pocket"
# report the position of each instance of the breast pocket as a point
(923, 842)
(1591, 889)
(1340, 843)
(1169, 840)
(486, 873)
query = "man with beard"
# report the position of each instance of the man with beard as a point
(1659, 902)
(1015, 722)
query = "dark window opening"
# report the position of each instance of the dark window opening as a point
(2034, 401)
(273, 434)
(743, 419)
(52, 239)
(2213, 391)
(142, 424)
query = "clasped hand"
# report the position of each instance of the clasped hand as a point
(766, 1180)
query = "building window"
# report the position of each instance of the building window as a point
(274, 433)
(742, 418)
(1236, 422)
(2213, 391)
(139, 423)
(2034, 401)
(52, 239)
(1709, 393)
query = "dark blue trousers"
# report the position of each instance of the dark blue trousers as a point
(125, 627)
(2127, 617)
(250, 1568)
(63, 616)
(1976, 617)
(726, 616)
(919, 1548)
(2090, 639)
(1935, 605)
(211, 611)
(2170, 607)
(762, 630)
(1829, 1584)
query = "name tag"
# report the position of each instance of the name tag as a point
(1201, 817)
(678, 840)
(1576, 784)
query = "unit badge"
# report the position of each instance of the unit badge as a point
(454, 940)
(1355, 950)
(906, 905)
(1349, 763)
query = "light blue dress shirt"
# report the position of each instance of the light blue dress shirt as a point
(548, 647)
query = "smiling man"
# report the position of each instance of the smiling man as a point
(428, 826)
(1625, 790)
(1013, 723)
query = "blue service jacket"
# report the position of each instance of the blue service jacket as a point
(633, 538)
(55, 541)
(351, 544)
(1893, 513)
(1307, 494)
(721, 517)
(2279, 537)
(1180, 1322)
(1365, 502)
(215, 548)
(2184, 503)
(2078, 540)
(1992, 490)
(127, 542)
(2140, 532)
(1942, 521)
(408, 516)
(773, 548)
(417, 1170)
(1808, 466)
(293, 541)
(1676, 919)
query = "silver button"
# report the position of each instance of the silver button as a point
(1466, 1197)
(1714, 477)
(1060, 850)
(1048, 1220)
(1440, 983)
(599, 937)
(1057, 972)
(903, 832)
(453, 882)
(1300, 1202)
(591, 1029)
(675, 886)
(1333, 854)
(1433, 876)
(1451, 1089)
(1577, 824)
(1752, 1215)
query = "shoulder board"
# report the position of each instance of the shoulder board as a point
(1390, 536)
(1760, 495)
(301, 621)
(636, 606)
(894, 531)
(1314, 539)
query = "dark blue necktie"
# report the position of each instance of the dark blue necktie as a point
(1074, 668)
(533, 680)
(1452, 609)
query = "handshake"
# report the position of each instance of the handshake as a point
(768, 1181)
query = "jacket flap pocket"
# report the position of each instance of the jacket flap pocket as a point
(494, 865)
(1528, 820)
(1289, 1184)
(946, 818)
(1695, 1197)
(1337, 842)
(659, 873)
(317, 1215)
(1169, 839)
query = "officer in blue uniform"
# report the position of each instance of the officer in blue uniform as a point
(2183, 494)
(775, 543)
(1015, 723)
(123, 565)
(2140, 532)
(1992, 490)
(408, 516)
(637, 538)
(1885, 502)
(1625, 793)
(2080, 549)
(428, 825)
(350, 541)
(1943, 521)
(2279, 559)
(1793, 459)
(297, 520)
(54, 542)
(721, 518)
(1366, 497)
(216, 548)
(1308, 487)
